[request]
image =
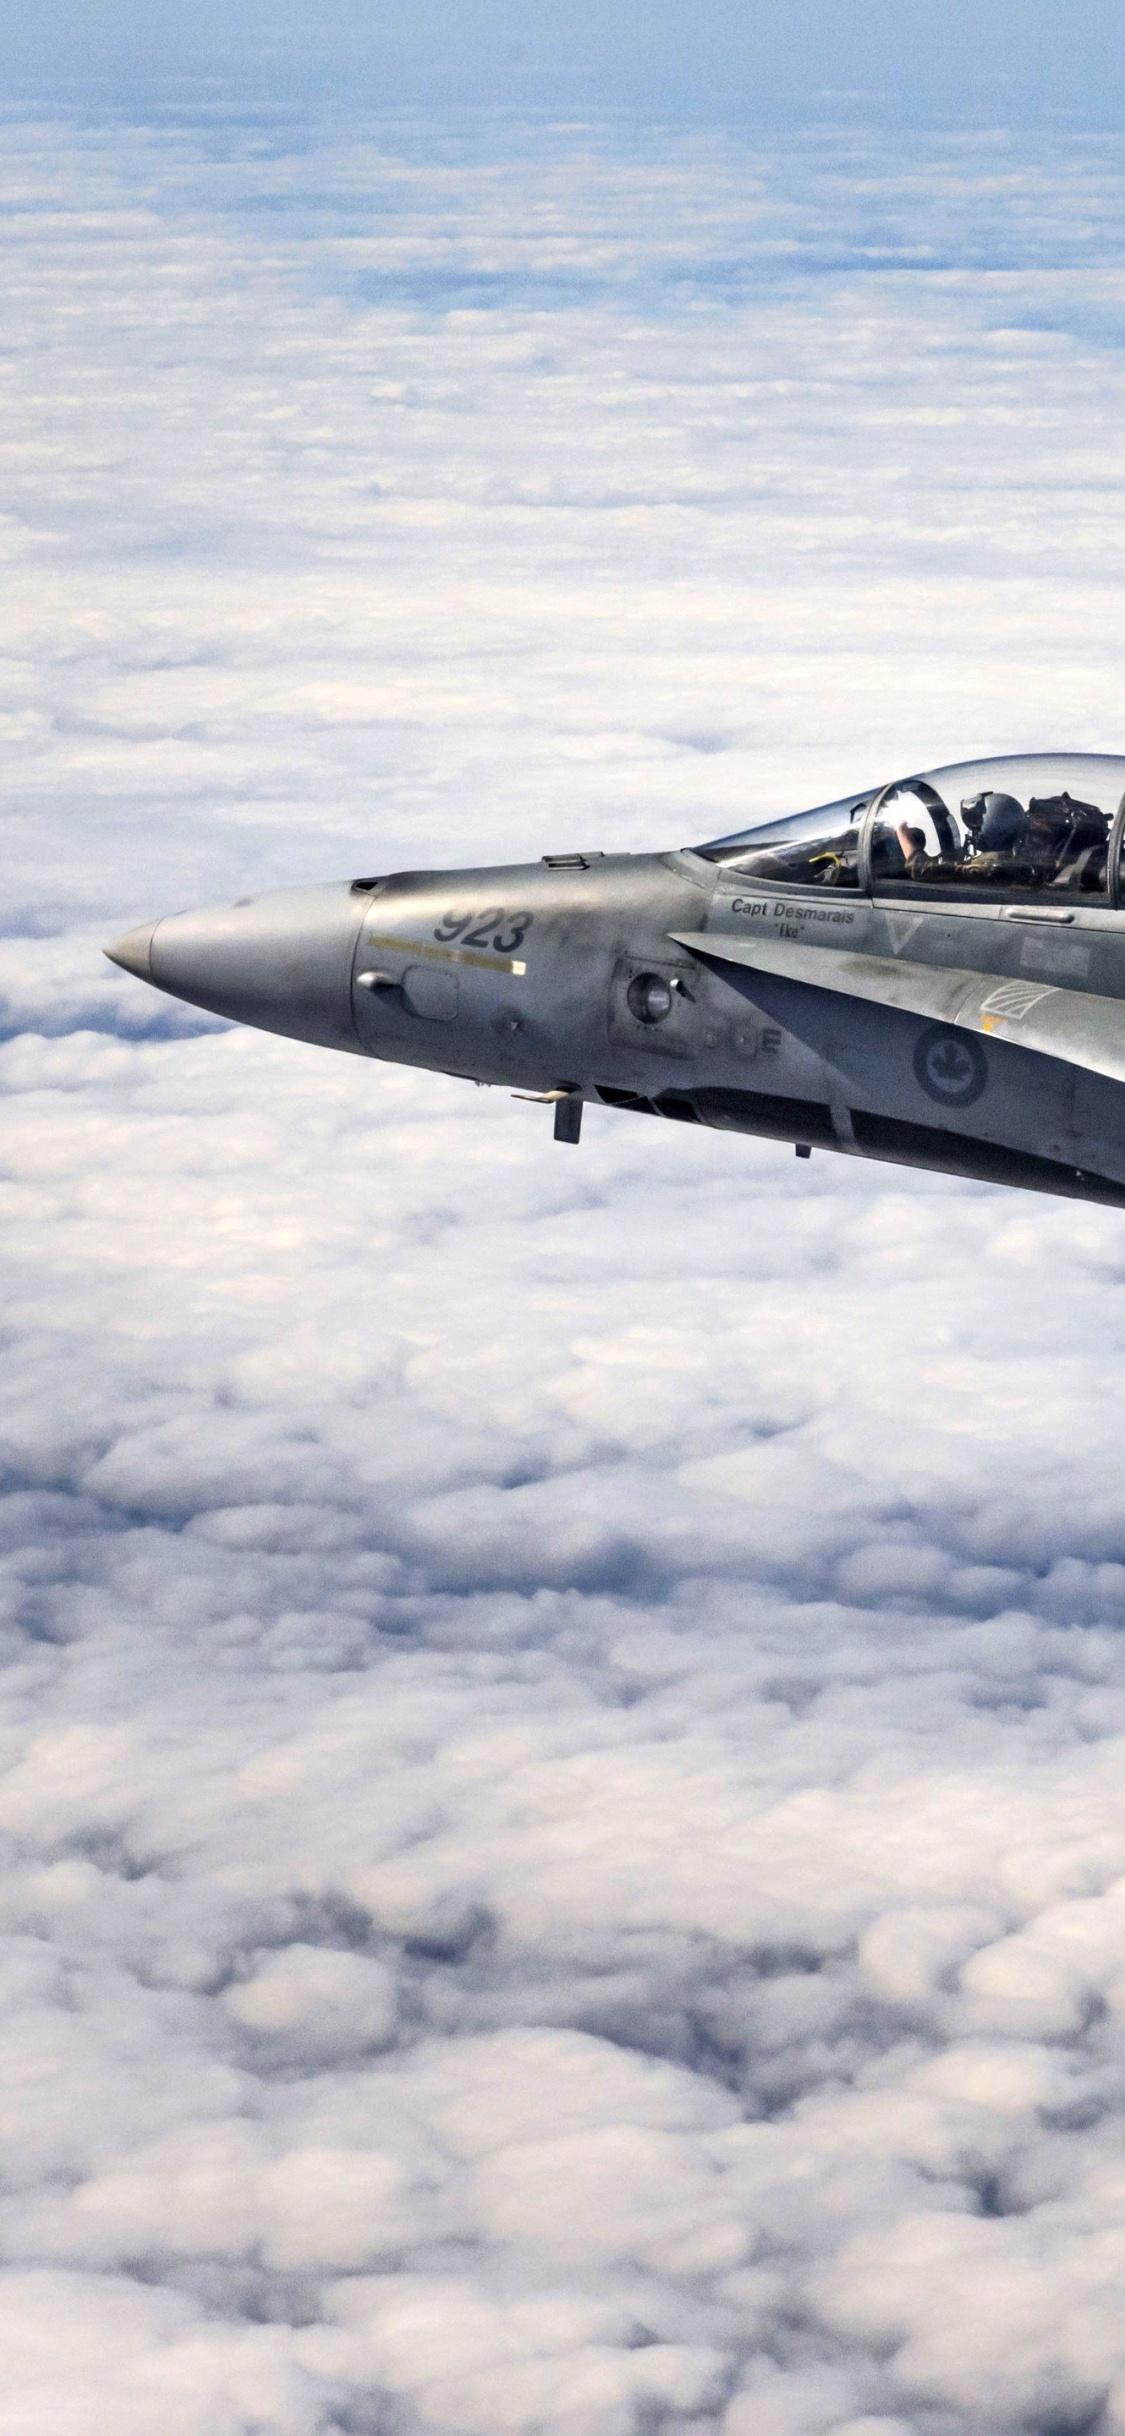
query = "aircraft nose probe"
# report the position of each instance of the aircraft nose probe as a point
(133, 952)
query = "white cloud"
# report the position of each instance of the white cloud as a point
(560, 1760)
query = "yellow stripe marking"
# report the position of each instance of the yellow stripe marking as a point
(445, 955)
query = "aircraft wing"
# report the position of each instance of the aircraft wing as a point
(1074, 1025)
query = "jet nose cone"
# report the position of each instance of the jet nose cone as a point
(282, 962)
(134, 952)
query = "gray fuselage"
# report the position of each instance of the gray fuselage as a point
(575, 976)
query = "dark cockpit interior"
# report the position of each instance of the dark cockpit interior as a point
(1020, 827)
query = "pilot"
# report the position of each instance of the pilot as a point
(994, 822)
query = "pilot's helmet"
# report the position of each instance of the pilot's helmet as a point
(1004, 821)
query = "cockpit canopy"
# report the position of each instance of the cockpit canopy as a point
(1012, 828)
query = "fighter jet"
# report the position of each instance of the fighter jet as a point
(929, 972)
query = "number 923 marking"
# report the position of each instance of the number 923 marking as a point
(502, 932)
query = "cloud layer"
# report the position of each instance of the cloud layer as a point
(561, 1746)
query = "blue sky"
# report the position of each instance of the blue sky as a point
(1026, 62)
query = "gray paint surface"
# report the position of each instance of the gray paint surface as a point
(979, 1033)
